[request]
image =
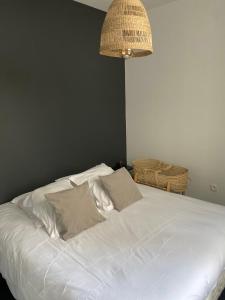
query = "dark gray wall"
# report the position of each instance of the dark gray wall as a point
(62, 105)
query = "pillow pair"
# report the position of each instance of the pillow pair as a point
(76, 207)
(101, 185)
(35, 203)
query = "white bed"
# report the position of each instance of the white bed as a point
(164, 247)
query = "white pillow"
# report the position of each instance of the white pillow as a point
(19, 199)
(103, 201)
(35, 203)
(94, 171)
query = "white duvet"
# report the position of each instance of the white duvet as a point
(164, 247)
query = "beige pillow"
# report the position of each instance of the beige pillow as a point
(121, 188)
(76, 209)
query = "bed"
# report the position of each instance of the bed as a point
(163, 247)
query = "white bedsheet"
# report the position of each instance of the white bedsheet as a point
(164, 247)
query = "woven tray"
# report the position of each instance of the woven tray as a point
(161, 175)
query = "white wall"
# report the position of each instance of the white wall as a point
(176, 97)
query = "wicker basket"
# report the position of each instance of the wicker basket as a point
(161, 175)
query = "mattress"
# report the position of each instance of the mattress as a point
(164, 247)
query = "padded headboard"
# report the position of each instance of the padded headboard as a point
(62, 105)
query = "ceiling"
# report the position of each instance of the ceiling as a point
(104, 4)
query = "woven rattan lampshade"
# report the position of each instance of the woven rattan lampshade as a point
(126, 31)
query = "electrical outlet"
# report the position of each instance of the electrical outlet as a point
(213, 187)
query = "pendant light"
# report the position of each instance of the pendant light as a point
(126, 31)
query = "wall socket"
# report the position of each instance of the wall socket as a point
(213, 187)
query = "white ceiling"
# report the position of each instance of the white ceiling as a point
(104, 4)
